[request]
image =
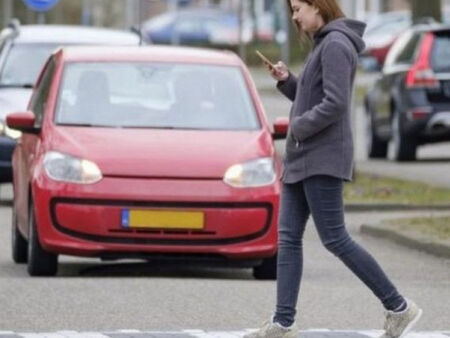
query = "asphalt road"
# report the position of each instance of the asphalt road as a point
(91, 295)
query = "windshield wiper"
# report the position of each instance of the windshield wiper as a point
(17, 85)
(149, 127)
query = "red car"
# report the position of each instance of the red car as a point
(145, 152)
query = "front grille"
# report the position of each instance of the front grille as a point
(157, 236)
(162, 232)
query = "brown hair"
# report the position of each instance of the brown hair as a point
(329, 10)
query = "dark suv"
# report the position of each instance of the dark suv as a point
(23, 52)
(409, 105)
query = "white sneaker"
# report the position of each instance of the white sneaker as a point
(269, 329)
(398, 324)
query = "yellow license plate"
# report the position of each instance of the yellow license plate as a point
(160, 219)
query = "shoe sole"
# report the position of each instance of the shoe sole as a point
(410, 325)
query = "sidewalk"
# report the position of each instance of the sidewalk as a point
(411, 239)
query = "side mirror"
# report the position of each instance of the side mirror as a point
(23, 121)
(280, 128)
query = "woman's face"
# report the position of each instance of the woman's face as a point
(306, 16)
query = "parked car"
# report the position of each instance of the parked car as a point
(409, 104)
(383, 30)
(197, 27)
(142, 153)
(23, 51)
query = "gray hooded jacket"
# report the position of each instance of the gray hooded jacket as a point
(319, 140)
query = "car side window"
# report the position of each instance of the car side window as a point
(403, 50)
(39, 99)
(2, 51)
(2, 45)
(407, 54)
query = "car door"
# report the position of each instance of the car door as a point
(191, 31)
(26, 146)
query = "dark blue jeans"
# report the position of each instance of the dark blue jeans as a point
(320, 196)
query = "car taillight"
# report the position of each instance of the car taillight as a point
(419, 113)
(421, 75)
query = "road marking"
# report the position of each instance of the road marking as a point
(132, 333)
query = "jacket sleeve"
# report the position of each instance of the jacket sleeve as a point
(288, 87)
(337, 69)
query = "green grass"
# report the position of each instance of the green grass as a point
(431, 226)
(368, 188)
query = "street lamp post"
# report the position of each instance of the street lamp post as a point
(7, 11)
(175, 38)
(241, 30)
(86, 13)
(285, 39)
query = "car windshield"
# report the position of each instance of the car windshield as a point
(387, 20)
(440, 58)
(392, 28)
(23, 64)
(155, 95)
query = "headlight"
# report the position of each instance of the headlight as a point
(66, 168)
(255, 173)
(5, 131)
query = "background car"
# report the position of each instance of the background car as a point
(23, 51)
(205, 27)
(142, 153)
(409, 104)
(383, 30)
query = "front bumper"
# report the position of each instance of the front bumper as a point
(84, 220)
(438, 124)
(433, 128)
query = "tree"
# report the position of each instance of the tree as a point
(428, 8)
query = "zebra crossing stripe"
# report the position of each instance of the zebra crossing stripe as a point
(131, 333)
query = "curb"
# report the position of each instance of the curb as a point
(393, 207)
(408, 239)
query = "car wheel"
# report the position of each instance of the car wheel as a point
(267, 270)
(375, 147)
(19, 244)
(40, 262)
(405, 147)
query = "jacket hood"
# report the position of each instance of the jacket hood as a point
(353, 29)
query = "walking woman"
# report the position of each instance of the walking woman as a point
(319, 155)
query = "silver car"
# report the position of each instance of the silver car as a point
(23, 51)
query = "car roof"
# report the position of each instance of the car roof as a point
(199, 12)
(437, 27)
(152, 53)
(74, 34)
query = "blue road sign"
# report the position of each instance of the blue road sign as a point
(40, 5)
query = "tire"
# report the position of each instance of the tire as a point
(19, 244)
(267, 270)
(375, 147)
(40, 262)
(405, 147)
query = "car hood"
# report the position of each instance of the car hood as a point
(13, 99)
(162, 153)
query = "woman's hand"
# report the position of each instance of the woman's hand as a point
(279, 71)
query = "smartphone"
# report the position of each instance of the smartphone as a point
(265, 60)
